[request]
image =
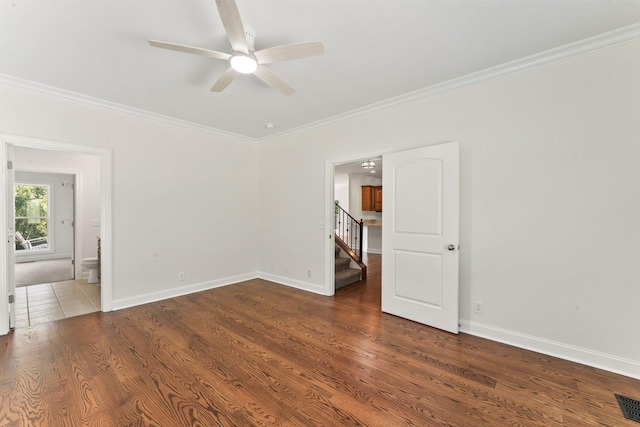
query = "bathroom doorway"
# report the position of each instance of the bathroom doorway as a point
(45, 276)
(92, 221)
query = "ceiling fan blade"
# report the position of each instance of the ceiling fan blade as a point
(289, 52)
(274, 80)
(230, 16)
(225, 79)
(190, 49)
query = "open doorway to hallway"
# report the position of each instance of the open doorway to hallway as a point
(358, 219)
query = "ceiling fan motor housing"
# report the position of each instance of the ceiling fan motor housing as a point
(251, 38)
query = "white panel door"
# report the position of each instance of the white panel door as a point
(420, 231)
(11, 244)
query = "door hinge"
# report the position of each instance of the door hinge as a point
(73, 262)
(9, 164)
(12, 299)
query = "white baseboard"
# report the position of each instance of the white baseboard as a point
(119, 304)
(374, 251)
(607, 362)
(34, 257)
(287, 281)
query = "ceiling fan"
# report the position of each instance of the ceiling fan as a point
(243, 58)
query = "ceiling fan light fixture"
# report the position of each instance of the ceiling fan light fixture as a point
(244, 59)
(243, 63)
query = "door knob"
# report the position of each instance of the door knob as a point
(451, 247)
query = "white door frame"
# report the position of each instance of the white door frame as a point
(329, 218)
(105, 156)
(9, 245)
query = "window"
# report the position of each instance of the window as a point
(32, 217)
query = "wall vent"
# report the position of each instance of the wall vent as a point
(630, 407)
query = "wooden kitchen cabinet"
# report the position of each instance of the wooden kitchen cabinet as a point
(372, 198)
(377, 199)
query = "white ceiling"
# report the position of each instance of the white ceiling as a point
(375, 50)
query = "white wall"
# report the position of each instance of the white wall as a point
(184, 200)
(341, 190)
(60, 237)
(549, 201)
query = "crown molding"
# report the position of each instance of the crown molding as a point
(114, 106)
(601, 41)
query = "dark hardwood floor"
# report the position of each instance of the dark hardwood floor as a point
(258, 353)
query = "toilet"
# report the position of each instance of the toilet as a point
(92, 265)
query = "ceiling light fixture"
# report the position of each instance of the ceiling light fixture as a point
(243, 63)
(369, 164)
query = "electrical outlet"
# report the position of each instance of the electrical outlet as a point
(478, 307)
(309, 274)
(273, 267)
(286, 268)
(181, 276)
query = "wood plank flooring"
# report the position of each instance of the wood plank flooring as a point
(261, 354)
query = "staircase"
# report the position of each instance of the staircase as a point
(344, 274)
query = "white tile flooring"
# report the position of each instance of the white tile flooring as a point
(54, 301)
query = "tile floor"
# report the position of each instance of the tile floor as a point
(54, 301)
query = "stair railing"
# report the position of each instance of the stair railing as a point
(348, 231)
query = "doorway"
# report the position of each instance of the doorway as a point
(420, 238)
(54, 151)
(345, 177)
(45, 277)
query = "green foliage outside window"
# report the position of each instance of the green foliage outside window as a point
(32, 203)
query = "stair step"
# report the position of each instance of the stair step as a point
(342, 264)
(347, 277)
